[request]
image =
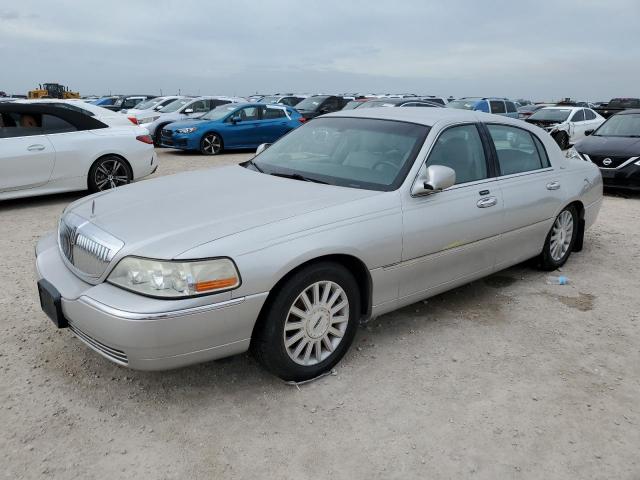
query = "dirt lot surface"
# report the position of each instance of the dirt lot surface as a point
(506, 378)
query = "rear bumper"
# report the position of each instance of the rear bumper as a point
(162, 335)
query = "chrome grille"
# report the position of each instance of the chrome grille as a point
(85, 247)
(111, 353)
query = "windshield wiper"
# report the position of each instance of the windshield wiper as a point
(254, 165)
(297, 176)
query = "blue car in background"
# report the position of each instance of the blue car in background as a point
(104, 101)
(231, 126)
(495, 105)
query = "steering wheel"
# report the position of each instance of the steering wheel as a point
(383, 163)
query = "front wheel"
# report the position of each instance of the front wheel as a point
(211, 144)
(109, 172)
(560, 240)
(310, 323)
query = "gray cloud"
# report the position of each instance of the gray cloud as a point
(539, 49)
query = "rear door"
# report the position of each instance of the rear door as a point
(452, 235)
(531, 190)
(275, 123)
(27, 156)
(592, 121)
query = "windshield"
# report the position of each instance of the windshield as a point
(270, 99)
(620, 126)
(351, 152)
(219, 112)
(624, 103)
(551, 114)
(147, 104)
(462, 104)
(311, 103)
(353, 104)
(176, 105)
(376, 104)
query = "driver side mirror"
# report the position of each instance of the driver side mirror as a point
(434, 179)
(588, 132)
(236, 119)
(188, 111)
(262, 147)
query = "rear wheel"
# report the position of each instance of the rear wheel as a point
(310, 323)
(560, 240)
(109, 172)
(211, 144)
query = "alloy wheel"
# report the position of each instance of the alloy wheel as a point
(316, 323)
(111, 173)
(211, 144)
(561, 235)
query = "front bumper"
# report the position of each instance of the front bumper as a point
(180, 141)
(156, 335)
(627, 177)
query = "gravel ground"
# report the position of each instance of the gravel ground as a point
(504, 378)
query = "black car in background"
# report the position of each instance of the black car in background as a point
(615, 148)
(125, 102)
(616, 105)
(398, 102)
(316, 105)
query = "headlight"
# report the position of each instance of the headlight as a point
(186, 130)
(175, 279)
(573, 154)
(148, 119)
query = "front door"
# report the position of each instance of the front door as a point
(450, 237)
(247, 131)
(26, 154)
(577, 126)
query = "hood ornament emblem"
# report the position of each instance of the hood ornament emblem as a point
(607, 161)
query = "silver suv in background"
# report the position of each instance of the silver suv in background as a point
(180, 109)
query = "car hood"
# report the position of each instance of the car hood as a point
(609, 146)
(167, 216)
(186, 123)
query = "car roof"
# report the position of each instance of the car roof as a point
(563, 107)
(629, 111)
(80, 120)
(426, 116)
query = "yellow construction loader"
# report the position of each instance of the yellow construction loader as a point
(52, 90)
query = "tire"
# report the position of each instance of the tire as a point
(558, 246)
(211, 144)
(109, 172)
(562, 139)
(157, 136)
(298, 347)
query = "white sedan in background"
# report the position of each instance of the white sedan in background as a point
(46, 147)
(566, 125)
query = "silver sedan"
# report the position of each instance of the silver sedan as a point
(351, 216)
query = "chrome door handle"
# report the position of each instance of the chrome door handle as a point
(553, 186)
(487, 202)
(35, 148)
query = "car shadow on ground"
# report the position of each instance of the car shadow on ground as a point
(196, 153)
(480, 301)
(622, 193)
(42, 200)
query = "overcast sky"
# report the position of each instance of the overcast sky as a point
(538, 49)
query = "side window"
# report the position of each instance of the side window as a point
(201, 106)
(20, 125)
(249, 114)
(516, 149)
(53, 124)
(497, 106)
(460, 148)
(578, 116)
(542, 152)
(273, 113)
(589, 114)
(511, 108)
